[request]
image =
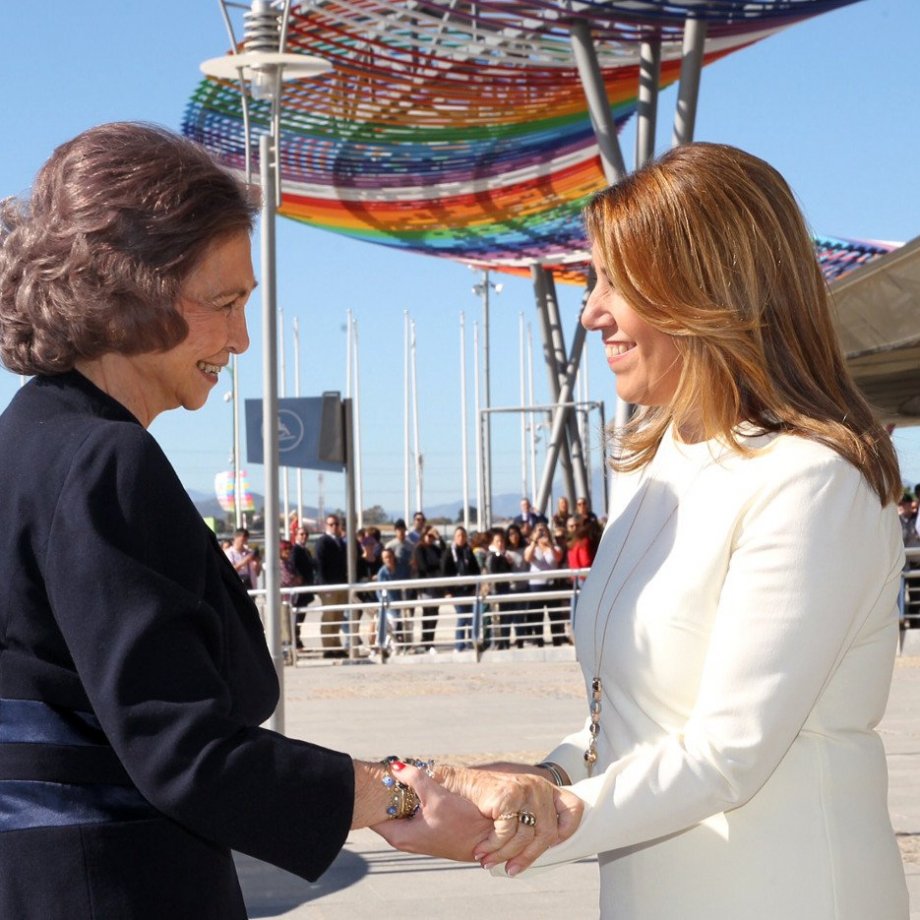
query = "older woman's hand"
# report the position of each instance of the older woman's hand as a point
(446, 825)
(529, 813)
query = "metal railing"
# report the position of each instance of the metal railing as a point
(909, 597)
(470, 614)
(489, 609)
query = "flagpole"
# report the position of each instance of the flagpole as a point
(298, 394)
(356, 404)
(464, 450)
(406, 415)
(419, 459)
(282, 392)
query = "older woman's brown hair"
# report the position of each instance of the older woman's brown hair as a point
(708, 245)
(93, 261)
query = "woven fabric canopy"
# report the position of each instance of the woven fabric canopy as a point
(461, 129)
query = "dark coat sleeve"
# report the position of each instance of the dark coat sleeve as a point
(172, 656)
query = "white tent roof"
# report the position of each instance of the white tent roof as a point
(878, 316)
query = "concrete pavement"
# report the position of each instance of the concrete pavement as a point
(513, 705)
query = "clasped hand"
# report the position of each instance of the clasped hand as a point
(475, 815)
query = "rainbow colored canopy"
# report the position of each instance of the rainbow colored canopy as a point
(461, 129)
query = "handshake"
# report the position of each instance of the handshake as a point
(501, 813)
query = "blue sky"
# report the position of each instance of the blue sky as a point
(833, 103)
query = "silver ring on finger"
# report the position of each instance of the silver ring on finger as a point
(527, 818)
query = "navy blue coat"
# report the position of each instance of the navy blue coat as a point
(134, 676)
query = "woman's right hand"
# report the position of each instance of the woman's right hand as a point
(504, 797)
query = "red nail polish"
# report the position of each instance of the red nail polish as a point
(397, 765)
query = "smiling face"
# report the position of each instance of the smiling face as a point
(212, 301)
(645, 360)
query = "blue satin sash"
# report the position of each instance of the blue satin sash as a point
(49, 759)
(26, 804)
(35, 722)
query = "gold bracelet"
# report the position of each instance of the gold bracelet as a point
(404, 801)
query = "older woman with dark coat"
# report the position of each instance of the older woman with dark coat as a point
(134, 673)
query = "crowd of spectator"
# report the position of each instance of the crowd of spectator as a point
(907, 512)
(530, 545)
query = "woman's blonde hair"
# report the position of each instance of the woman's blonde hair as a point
(708, 245)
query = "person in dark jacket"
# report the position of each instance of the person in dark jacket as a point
(134, 673)
(458, 561)
(426, 560)
(305, 566)
(332, 569)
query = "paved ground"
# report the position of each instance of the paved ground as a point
(512, 704)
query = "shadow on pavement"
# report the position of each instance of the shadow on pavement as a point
(269, 891)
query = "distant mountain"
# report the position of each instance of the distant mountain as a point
(504, 506)
(208, 505)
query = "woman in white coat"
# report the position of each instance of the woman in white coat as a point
(738, 629)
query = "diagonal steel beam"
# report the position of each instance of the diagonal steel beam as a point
(592, 81)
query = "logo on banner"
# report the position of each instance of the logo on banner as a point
(310, 434)
(290, 430)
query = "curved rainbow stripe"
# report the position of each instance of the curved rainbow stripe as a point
(464, 134)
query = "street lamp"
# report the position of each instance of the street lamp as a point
(481, 289)
(260, 70)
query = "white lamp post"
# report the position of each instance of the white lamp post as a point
(260, 69)
(482, 290)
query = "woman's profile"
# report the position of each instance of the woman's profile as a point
(738, 628)
(134, 673)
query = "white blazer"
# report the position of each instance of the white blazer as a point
(748, 629)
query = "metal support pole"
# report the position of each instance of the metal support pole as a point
(419, 460)
(382, 615)
(359, 473)
(592, 82)
(351, 544)
(532, 442)
(608, 473)
(647, 109)
(237, 470)
(561, 414)
(691, 67)
(270, 447)
(584, 389)
(487, 402)
(298, 394)
(478, 429)
(522, 389)
(573, 462)
(554, 354)
(282, 392)
(464, 448)
(560, 369)
(406, 452)
(552, 455)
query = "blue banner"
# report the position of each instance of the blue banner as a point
(310, 433)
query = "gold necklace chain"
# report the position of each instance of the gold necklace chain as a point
(597, 687)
